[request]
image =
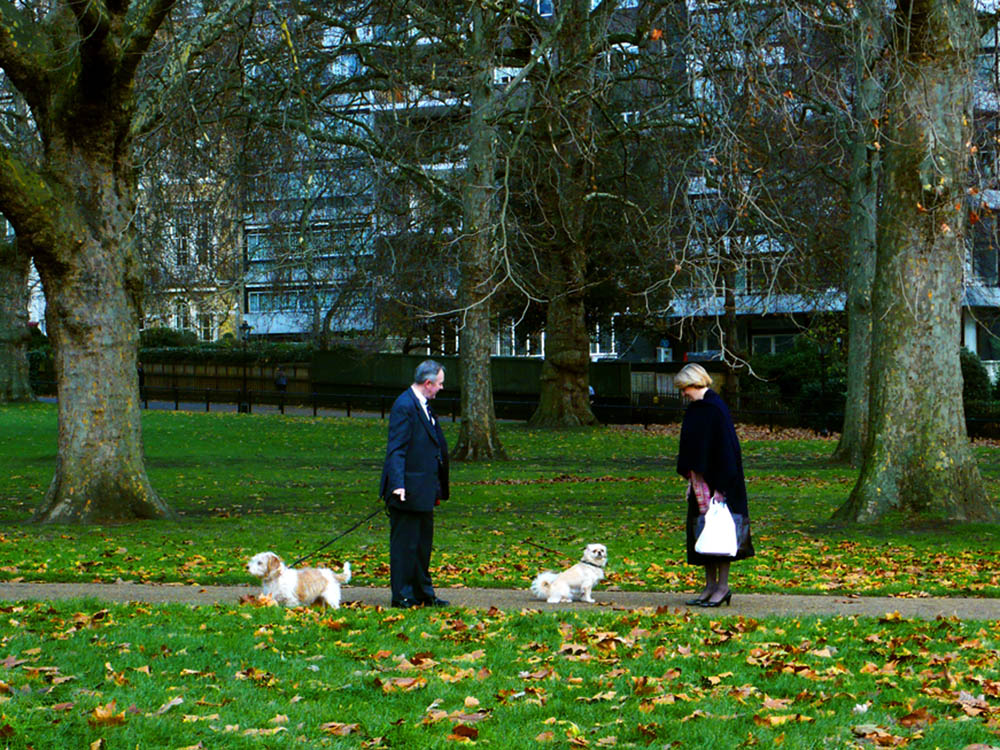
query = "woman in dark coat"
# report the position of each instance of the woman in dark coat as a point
(710, 459)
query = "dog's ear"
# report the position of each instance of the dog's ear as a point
(273, 564)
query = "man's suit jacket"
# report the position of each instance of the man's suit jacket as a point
(416, 457)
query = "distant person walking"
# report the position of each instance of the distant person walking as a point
(710, 458)
(414, 481)
(280, 380)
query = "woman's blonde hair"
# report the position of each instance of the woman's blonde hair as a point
(692, 375)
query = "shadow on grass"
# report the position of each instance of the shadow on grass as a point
(936, 531)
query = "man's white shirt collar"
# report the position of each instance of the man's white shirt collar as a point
(423, 402)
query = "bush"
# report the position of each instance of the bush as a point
(976, 385)
(230, 353)
(163, 337)
(41, 367)
(806, 374)
(38, 339)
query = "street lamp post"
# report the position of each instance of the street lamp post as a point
(244, 406)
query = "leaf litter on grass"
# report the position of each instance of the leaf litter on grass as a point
(591, 678)
(617, 485)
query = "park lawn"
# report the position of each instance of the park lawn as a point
(246, 483)
(245, 676)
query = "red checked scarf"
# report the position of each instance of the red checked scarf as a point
(702, 493)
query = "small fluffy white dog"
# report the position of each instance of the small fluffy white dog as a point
(293, 588)
(575, 583)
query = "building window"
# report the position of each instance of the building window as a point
(505, 339)
(206, 329)
(259, 246)
(504, 75)
(602, 341)
(708, 341)
(181, 239)
(773, 343)
(183, 253)
(203, 242)
(182, 315)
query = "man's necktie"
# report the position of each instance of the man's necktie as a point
(430, 413)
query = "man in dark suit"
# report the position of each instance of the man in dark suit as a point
(414, 480)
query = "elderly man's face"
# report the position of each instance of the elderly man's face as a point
(431, 387)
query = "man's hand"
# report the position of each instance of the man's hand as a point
(402, 494)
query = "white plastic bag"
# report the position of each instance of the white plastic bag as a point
(718, 537)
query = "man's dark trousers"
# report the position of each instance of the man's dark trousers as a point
(411, 538)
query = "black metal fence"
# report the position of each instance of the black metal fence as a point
(645, 410)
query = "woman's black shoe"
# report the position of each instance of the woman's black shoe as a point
(696, 602)
(724, 600)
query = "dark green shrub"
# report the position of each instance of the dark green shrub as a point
(38, 339)
(229, 353)
(162, 337)
(811, 374)
(976, 385)
(41, 367)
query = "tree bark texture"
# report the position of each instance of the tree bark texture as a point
(564, 397)
(74, 213)
(478, 438)
(566, 173)
(918, 460)
(861, 231)
(92, 316)
(14, 334)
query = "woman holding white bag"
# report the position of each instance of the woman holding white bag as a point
(710, 458)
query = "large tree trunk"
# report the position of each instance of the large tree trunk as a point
(92, 318)
(918, 459)
(478, 438)
(72, 204)
(564, 397)
(73, 210)
(861, 232)
(14, 334)
(566, 175)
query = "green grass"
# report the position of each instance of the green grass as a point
(246, 483)
(247, 677)
(241, 676)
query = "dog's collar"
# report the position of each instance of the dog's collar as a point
(593, 565)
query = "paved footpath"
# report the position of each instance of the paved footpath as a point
(749, 605)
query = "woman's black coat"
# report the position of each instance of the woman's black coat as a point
(709, 447)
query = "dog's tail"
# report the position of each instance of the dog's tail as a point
(540, 586)
(344, 577)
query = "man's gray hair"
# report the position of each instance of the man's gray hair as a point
(426, 370)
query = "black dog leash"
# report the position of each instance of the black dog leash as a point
(553, 551)
(339, 536)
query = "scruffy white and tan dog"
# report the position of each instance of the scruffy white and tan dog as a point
(575, 583)
(293, 588)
